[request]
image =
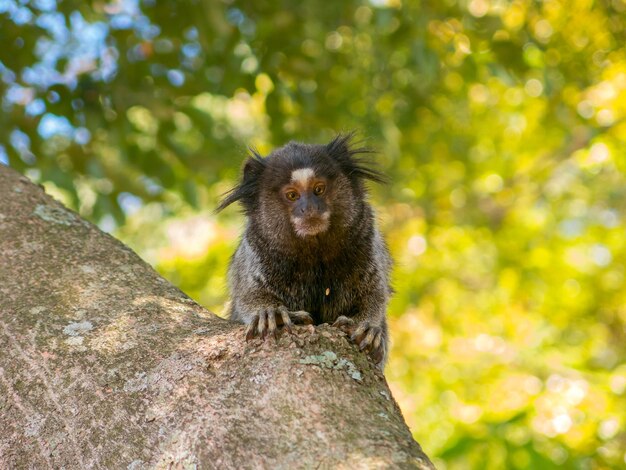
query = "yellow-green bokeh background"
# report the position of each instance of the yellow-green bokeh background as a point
(502, 127)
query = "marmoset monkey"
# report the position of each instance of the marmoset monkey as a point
(311, 252)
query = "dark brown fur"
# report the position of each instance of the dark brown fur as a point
(339, 275)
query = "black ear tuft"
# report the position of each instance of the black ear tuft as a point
(352, 157)
(247, 189)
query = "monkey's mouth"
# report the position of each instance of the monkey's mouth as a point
(311, 225)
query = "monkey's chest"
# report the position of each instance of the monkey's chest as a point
(325, 294)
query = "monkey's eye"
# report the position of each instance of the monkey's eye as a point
(319, 189)
(292, 195)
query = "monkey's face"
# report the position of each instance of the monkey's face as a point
(302, 191)
(305, 198)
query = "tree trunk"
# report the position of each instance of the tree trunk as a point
(104, 364)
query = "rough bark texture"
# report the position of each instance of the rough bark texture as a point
(104, 364)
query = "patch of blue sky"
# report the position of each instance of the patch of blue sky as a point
(89, 39)
(108, 65)
(45, 5)
(19, 94)
(82, 136)
(121, 21)
(54, 24)
(129, 203)
(191, 33)
(82, 44)
(191, 50)
(6, 74)
(19, 140)
(21, 143)
(176, 77)
(4, 157)
(127, 14)
(19, 14)
(36, 107)
(22, 16)
(51, 125)
(41, 75)
(49, 51)
(107, 223)
(6, 6)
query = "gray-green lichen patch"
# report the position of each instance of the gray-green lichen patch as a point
(87, 269)
(136, 465)
(137, 384)
(78, 328)
(329, 360)
(56, 215)
(75, 341)
(35, 422)
(74, 331)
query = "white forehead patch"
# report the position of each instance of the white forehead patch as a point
(302, 175)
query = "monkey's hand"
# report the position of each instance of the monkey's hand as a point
(369, 338)
(267, 320)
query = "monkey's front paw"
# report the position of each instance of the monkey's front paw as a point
(345, 324)
(369, 338)
(268, 320)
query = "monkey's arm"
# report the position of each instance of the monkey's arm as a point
(368, 327)
(252, 302)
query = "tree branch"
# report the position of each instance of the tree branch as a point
(104, 364)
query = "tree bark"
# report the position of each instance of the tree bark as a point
(104, 364)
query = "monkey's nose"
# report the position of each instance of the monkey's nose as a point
(309, 210)
(306, 207)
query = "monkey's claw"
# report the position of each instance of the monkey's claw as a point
(368, 338)
(266, 322)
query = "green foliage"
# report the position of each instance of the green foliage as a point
(501, 124)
